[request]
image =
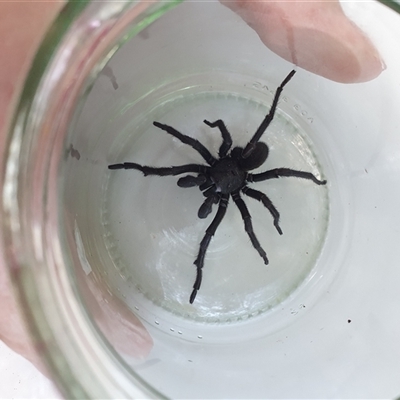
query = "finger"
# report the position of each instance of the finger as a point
(22, 25)
(316, 36)
(12, 328)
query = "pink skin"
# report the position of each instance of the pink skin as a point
(316, 36)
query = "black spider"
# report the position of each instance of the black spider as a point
(226, 176)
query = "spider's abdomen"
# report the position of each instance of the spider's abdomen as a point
(227, 176)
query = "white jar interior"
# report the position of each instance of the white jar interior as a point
(318, 321)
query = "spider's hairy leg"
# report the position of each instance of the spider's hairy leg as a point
(226, 136)
(162, 171)
(210, 231)
(267, 120)
(190, 181)
(284, 172)
(260, 196)
(194, 143)
(248, 226)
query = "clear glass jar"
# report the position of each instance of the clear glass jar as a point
(100, 256)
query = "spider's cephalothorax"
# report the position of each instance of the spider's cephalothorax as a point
(224, 177)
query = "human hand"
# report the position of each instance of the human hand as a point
(313, 35)
(22, 26)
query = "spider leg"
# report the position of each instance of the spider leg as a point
(206, 207)
(226, 136)
(194, 143)
(279, 172)
(162, 171)
(210, 231)
(248, 226)
(267, 120)
(257, 195)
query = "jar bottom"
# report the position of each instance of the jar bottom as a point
(151, 227)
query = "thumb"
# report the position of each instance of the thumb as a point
(316, 36)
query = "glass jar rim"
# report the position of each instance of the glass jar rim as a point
(24, 274)
(79, 361)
